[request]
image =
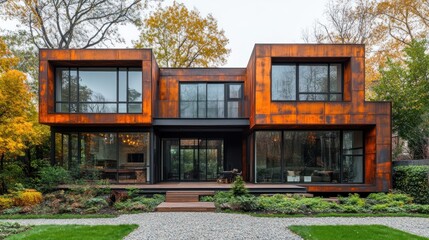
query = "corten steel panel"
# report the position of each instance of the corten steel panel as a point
(351, 113)
(170, 79)
(51, 58)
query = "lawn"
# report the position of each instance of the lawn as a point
(352, 232)
(76, 232)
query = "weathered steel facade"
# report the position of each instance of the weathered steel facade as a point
(160, 114)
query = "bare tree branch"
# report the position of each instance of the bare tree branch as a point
(73, 23)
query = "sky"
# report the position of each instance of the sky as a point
(247, 22)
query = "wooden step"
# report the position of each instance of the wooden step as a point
(186, 196)
(186, 207)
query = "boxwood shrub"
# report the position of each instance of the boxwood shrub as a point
(413, 180)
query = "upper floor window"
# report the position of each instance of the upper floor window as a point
(306, 82)
(98, 90)
(211, 100)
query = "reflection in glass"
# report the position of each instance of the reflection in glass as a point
(235, 91)
(309, 156)
(215, 100)
(98, 90)
(188, 100)
(97, 108)
(316, 82)
(192, 159)
(122, 84)
(268, 156)
(335, 78)
(97, 85)
(122, 157)
(134, 86)
(206, 100)
(313, 78)
(353, 156)
(312, 156)
(283, 84)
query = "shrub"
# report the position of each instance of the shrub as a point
(239, 187)
(316, 205)
(96, 202)
(222, 197)
(417, 208)
(7, 229)
(353, 200)
(244, 203)
(28, 197)
(11, 175)
(413, 180)
(140, 203)
(11, 211)
(207, 199)
(6, 202)
(52, 176)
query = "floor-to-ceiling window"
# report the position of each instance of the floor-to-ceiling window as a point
(121, 157)
(309, 156)
(192, 159)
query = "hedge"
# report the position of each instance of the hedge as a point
(414, 181)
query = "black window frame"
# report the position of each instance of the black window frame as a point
(297, 91)
(78, 103)
(341, 153)
(226, 99)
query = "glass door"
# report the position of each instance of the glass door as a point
(192, 159)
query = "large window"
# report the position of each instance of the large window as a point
(119, 157)
(306, 82)
(309, 156)
(211, 100)
(98, 90)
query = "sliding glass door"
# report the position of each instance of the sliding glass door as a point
(192, 159)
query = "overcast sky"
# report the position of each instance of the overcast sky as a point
(247, 22)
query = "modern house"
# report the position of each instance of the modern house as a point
(295, 115)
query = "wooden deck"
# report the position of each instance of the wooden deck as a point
(186, 207)
(204, 186)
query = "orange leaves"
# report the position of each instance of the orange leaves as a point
(16, 108)
(183, 38)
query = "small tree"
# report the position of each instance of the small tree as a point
(239, 187)
(405, 83)
(183, 38)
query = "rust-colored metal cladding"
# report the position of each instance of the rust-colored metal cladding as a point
(171, 78)
(50, 59)
(353, 112)
(344, 109)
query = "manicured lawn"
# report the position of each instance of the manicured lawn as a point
(76, 232)
(281, 215)
(55, 216)
(352, 232)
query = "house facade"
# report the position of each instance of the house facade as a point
(295, 115)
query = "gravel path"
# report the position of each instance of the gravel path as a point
(229, 226)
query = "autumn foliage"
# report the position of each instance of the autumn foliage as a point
(183, 38)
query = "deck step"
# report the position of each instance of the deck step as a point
(185, 196)
(186, 207)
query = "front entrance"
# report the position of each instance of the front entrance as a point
(192, 159)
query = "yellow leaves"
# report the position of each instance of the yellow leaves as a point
(16, 109)
(7, 60)
(183, 38)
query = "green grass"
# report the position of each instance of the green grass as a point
(352, 232)
(281, 215)
(55, 216)
(76, 232)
